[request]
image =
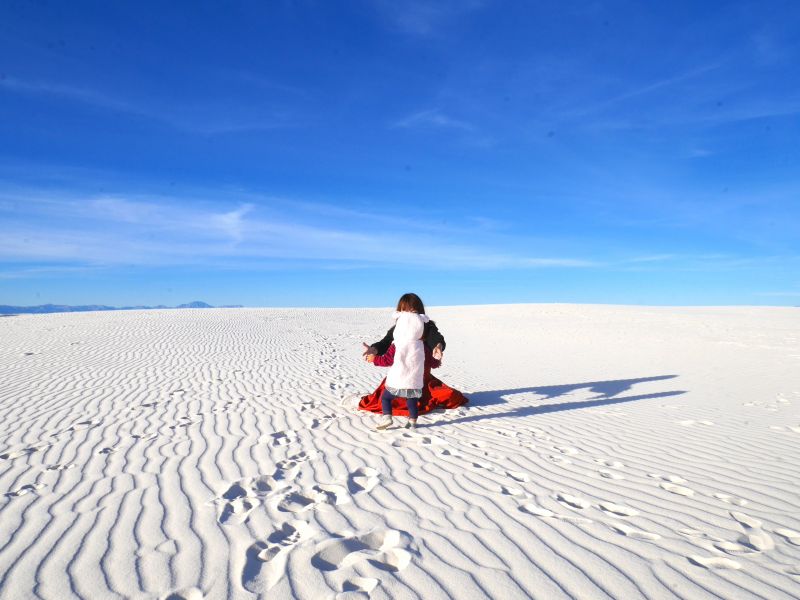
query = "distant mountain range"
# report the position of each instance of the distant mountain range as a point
(56, 308)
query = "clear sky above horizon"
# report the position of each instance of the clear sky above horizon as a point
(313, 153)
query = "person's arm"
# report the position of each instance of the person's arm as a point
(430, 362)
(386, 359)
(433, 337)
(382, 346)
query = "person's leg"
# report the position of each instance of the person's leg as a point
(386, 402)
(386, 409)
(413, 411)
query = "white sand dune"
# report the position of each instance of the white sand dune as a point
(607, 452)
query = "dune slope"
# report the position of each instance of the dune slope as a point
(607, 452)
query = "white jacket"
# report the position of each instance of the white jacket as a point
(408, 368)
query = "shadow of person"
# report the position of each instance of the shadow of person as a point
(608, 392)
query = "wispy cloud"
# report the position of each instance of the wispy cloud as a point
(649, 88)
(432, 118)
(207, 119)
(32, 272)
(423, 17)
(70, 92)
(114, 230)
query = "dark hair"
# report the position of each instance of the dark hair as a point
(411, 303)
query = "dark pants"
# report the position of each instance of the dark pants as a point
(386, 404)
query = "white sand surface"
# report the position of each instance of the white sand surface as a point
(607, 452)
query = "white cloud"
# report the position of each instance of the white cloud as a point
(114, 230)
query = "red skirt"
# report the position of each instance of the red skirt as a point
(435, 395)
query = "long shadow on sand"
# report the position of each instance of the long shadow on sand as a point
(608, 392)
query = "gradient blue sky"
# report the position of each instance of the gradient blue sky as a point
(315, 153)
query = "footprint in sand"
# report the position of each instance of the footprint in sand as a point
(754, 536)
(225, 408)
(636, 534)
(332, 493)
(59, 467)
(25, 489)
(746, 521)
(244, 495)
(572, 501)
(537, 511)
(728, 499)
(791, 536)
(287, 470)
(357, 587)
(413, 439)
(483, 465)
(298, 502)
(606, 474)
(184, 422)
(517, 476)
(321, 422)
(618, 510)
(265, 562)
(282, 438)
(380, 547)
(504, 433)
(558, 459)
(515, 492)
(733, 548)
(673, 488)
(794, 569)
(362, 479)
(23, 452)
(447, 452)
(670, 484)
(714, 562)
(607, 462)
(567, 450)
(238, 504)
(667, 478)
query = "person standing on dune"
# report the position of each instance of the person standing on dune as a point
(431, 393)
(407, 369)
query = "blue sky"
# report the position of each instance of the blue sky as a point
(305, 153)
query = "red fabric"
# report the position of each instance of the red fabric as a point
(435, 395)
